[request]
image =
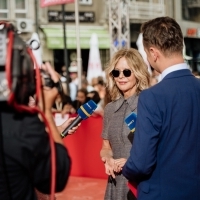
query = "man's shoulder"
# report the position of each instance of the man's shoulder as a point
(155, 88)
(153, 93)
(148, 90)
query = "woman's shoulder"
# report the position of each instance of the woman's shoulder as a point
(108, 107)
(112, 105)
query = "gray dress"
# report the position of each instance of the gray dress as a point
(117, 132)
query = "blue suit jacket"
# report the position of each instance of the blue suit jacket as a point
(165, 157)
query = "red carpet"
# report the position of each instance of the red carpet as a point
(82, 188)
(88, 179)
(84, 148)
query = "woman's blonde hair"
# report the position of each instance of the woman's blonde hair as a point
(136, 64)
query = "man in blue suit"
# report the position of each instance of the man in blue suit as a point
(164, 160)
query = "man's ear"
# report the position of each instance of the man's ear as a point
(154, 53)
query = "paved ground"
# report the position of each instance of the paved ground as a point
(81, 188)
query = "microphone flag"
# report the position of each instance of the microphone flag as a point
(130, 120)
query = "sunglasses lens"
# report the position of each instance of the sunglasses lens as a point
(127, 72)
(115, 73)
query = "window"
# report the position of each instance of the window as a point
(20, 8)
(85, 2)
(191, 10)
(4, 9)
(20, 4)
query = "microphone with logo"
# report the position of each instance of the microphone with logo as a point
(84, 112)
(131, 121)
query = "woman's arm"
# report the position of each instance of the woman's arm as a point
(106, 150)
(107, 157)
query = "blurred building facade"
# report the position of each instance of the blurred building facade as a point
(188, 17)
(94, 16)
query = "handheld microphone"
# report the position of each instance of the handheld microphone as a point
(131, 121)
(84, 112)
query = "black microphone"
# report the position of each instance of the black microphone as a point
(131, 121)
(84, 112)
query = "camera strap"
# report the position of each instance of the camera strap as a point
(18, 71)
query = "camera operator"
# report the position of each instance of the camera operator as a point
(25, 161)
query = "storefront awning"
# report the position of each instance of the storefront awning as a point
(54, 37)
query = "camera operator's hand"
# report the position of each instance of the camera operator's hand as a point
(49, 94)
(47, 98)
(46, 101)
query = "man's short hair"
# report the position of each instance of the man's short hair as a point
(163, 33)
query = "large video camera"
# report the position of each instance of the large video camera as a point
(18, 68)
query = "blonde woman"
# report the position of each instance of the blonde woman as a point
(127, 76)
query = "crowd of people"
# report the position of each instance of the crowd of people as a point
(161, 158)
(71, 101)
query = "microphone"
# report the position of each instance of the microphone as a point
(131, 121)
(84, 112)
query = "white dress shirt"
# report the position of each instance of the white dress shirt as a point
(174, 68)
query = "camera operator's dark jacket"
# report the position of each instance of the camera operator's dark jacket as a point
(25, 157)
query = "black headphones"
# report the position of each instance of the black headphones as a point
(17, 80)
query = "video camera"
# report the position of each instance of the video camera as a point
(18, 77)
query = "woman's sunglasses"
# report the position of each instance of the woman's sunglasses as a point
(116, 72)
